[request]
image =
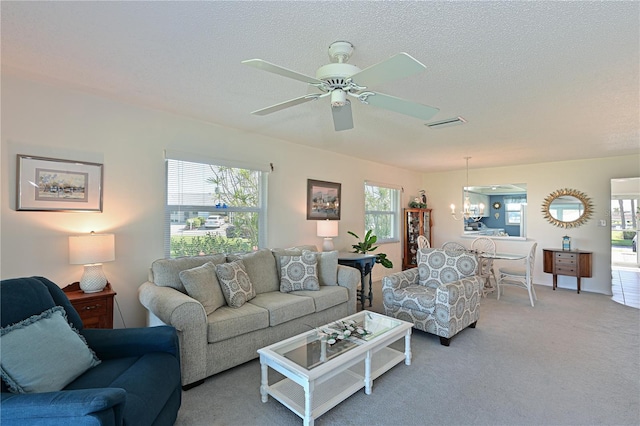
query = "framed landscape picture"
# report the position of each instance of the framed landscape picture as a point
(50, 184)
(323, 200)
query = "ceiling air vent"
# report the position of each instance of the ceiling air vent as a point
(455, 121)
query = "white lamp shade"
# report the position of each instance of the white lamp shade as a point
(91, 248)
(327, 228)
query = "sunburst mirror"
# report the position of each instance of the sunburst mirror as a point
(567, 208)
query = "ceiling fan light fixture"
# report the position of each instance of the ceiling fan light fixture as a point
(338, 98)
(455, 121)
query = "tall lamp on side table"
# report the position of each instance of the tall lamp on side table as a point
(91, 250)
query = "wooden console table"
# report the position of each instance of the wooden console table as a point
(572, 263)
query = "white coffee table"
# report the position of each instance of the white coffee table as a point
(318, 376)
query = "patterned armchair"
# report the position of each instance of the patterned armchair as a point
(441, 296)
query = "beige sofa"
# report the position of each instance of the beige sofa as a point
(215, 336)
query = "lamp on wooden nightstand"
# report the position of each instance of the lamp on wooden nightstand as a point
(91, 250)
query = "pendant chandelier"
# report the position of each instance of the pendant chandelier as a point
(468, 213)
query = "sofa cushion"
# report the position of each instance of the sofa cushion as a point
(261, 268)
(415, 297)
(327, 297)
(226, 322)
(29, 348)
(327, 266)
(235, 283)
(299, 272)
(166, 272)
(284, 307)
(202, 284)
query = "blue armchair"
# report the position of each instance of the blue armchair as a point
(137, 381)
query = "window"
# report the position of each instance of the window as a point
(213, 208)
(513, 210)
(381, 211)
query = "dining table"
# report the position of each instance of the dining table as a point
(488, 288)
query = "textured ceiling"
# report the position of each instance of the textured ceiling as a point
(537, 81)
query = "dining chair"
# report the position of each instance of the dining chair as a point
(453, 246)
(485, 245)
(520, 277)
(423, 242)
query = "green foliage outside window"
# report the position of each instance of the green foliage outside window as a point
(381, 205)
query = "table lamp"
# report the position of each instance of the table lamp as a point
(327, 229)
(91, 250)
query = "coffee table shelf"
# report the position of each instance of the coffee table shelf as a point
(309, 393)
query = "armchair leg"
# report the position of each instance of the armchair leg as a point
(444, 341)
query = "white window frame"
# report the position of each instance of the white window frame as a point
(261, 209)
(394, 213)
(513, 209)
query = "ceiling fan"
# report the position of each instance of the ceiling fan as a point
(340, 79)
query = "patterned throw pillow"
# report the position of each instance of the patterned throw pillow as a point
(327, 266)
(299, 272)
(235, 283)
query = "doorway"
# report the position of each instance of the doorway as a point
(625, 255)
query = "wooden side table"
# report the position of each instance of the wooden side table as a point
(95, 309)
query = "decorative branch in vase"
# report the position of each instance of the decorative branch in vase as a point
(365, 246)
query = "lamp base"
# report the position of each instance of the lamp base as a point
(93, 280)
(327, 245)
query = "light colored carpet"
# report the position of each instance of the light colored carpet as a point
(574, 359)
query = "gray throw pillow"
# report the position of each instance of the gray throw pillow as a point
(43, 353)
(327, 266)
(235, 283)
(202, 284)
(299, 272)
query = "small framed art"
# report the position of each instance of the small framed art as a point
(50, 184)
(323, 200)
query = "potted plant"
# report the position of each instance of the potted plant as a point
(365, 246)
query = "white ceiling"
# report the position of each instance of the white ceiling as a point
(537, 81)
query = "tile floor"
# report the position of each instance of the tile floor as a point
(625, 285)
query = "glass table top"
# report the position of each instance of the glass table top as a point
(325, 343)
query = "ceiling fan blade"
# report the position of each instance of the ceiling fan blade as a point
(276, 69)
(402, 106)
(287, 104)
(396, 67)
(342, 117)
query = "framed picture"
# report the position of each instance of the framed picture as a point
(50, 184)
(323, 200)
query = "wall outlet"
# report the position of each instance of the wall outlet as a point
(603, 222)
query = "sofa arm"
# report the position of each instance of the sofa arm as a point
(349, 278)
(77, 407)
(188, 317)
(119, 343)
(401, 279)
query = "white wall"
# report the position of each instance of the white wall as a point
(589, 176)
(45, 120)
(40, 119)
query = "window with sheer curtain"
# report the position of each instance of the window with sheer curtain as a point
(382, 211)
